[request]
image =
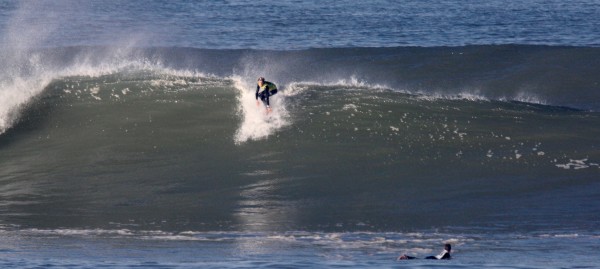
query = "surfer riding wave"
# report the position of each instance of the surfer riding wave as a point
(264, 89)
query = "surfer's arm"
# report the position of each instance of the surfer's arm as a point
(257, 88)
(441, 255)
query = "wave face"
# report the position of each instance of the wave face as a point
(380, 139)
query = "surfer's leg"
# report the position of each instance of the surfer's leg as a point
(264, 96)
(265, 99)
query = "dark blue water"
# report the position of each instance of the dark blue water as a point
(303, 24)
(130, 137)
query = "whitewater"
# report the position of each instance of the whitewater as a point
(130, 135)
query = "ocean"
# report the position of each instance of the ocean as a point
(130, 136)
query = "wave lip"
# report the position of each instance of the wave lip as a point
(555, 76)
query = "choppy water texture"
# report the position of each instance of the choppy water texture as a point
(130, 135)
(305, 24)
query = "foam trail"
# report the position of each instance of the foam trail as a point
(256, 124)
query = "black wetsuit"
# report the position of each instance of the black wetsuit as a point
(268, 91)
(445, 255)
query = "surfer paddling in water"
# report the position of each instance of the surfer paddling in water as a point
(264, 89)
(445, 255)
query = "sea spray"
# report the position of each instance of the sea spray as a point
(14, 94)
(20, 78)
(28, 67)
(17, 90)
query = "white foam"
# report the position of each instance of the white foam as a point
(355, 82)
(529, 98)
(94, 93)
(350, 107)
(80, 232)
(15, 93)
(469, 96)
(560, 235)
(576, 164)
(295, 88)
